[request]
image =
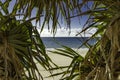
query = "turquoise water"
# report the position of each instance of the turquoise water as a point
(72, 42)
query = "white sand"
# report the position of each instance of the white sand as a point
(60, 61)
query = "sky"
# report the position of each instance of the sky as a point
(76, 26)
(65, 33)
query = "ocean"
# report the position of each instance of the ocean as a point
(72, 42)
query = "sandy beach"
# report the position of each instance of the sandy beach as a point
(60, 61)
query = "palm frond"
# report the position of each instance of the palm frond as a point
(21, 49)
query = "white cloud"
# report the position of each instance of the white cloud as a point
(60, 33)
(65, 33)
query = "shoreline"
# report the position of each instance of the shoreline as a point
(60, 61)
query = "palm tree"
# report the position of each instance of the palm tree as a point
(104, 55)
(21, 48)
(99, 62)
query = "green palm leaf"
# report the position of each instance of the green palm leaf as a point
(21, 50)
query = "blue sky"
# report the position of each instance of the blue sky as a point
(76, 26)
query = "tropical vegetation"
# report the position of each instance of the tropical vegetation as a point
(102, 61)
(21, 45)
